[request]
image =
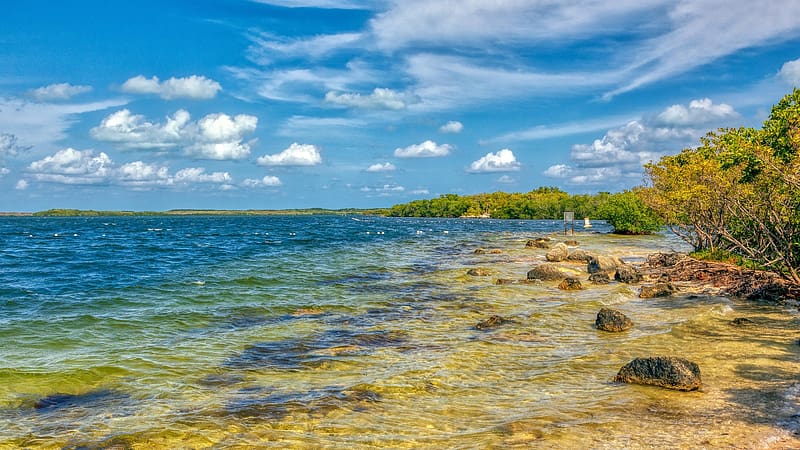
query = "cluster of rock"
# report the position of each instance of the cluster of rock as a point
(664, 371)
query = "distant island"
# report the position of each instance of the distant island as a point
(200, 212)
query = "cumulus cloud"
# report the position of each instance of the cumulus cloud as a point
(215, 136)
(505, 179)
(380, 98)
(9, 145)
(385, 167)
(267, 181)
(85, 167)
(790, 72)
(385, 190)
(295, 155)
(70, 166)
(427, 149)
(21, 185)
(192, 87)
(502, 161)
(4, 171)
(452, 126)
(59, 91)
(620, 154)
(699, 112)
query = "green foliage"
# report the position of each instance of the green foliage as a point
(738, 192)
(628, 214)
(725, 256)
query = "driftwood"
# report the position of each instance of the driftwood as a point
(730, 279)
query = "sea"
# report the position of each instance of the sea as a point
(239, 332)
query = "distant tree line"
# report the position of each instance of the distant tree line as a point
(625, 211)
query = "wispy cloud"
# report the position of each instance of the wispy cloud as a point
(59, 91)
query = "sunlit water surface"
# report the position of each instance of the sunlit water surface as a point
(359, 332)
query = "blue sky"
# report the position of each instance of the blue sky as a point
(236, 104)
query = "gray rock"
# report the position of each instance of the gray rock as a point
(570, 284)
(600, 278)
(657, 290)
(612, 320)
(579, 255)
(664, 371)
(627, 274)
(546, 272)
(538, 243)
(600, 263)
(558, 253)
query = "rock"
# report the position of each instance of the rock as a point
(741, 322)
(491, 322)
(664, 371)
(495, 251)
(558, 253)
(538, 243)
(480, 251)
(657, 290)
(546, 272)
(579, 255)
(612, 320)
(570, 284)
(627, 274)
(571, 243)
(503, 281)
(478, 272)
(600, 263)
(600, 278)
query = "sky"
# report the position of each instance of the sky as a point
(275, 104)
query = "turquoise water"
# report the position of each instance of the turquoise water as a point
(358, 332)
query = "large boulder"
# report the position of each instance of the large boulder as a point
(538, 243)
(546, 272)
(664, 371)
(612, 320)
(570, 284)
(600, 278)
(657, 290)
(600, 263)
(558, 253)
(627, 274)
(579, 255)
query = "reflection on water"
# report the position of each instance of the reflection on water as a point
(335, 337)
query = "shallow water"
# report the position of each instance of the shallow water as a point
(359, 332)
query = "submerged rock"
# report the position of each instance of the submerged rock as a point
(495, 251)
(579, 255)
(600, 278)
(479, 272)
(741, 322)
(571, 243)
(612, 320)
(558, 253)
(600, 263)
(538, 243)
(627, 274)
(570, 284)
(480, 251)
(492, 322)
(657, 290)
(546, 272)
(663, 371)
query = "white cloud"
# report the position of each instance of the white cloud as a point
(385, 190)
(380, 98)
(9, 145)
(502, 161)
(427, 149)
(215, 136)
(327, 4)
(295, 155)
(44, 124)
(21, 185)
(192, 87)
(266, 47)
(622, 151)
(420, 192)
(790, 72)
(452, 126)
(70, 166)
(4, 171)
(505, 179)
(385, 167)
(698, 113)
(60, 91)
(267, 181)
